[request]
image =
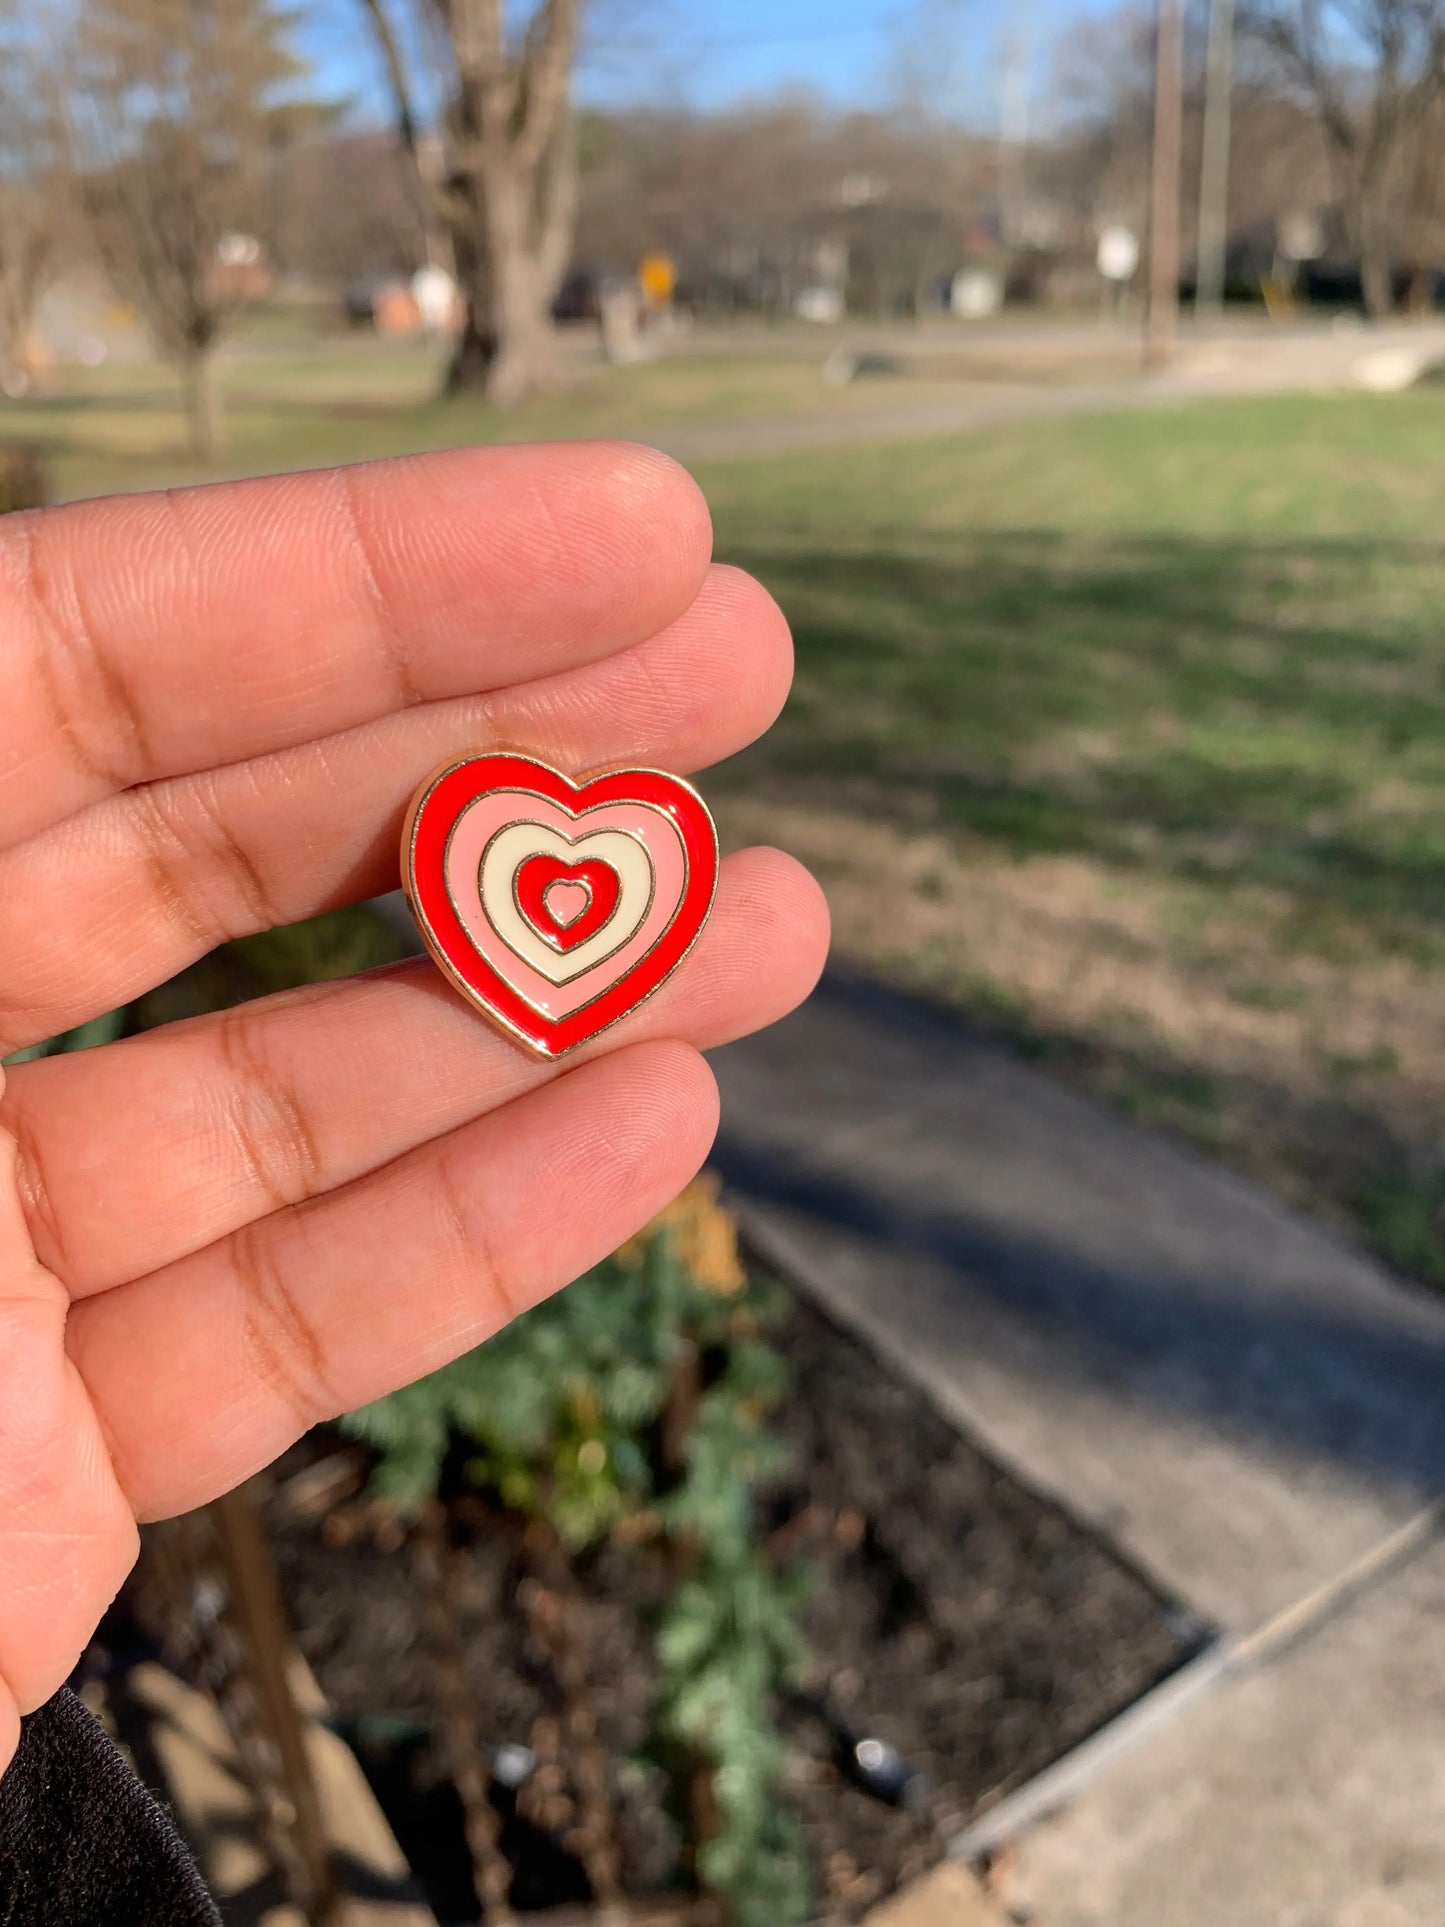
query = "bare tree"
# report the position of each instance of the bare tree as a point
(344, 209)
(1278, 163)
(1102, 109)
(172, 108)
(1371, 70)
(504, 182)
(27, 232)
(755, 202)
(1422, 230)
(928, 56)
(29, 210)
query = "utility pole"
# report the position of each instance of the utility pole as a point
(1159, 328)
(1214, 160)
(1013, 131)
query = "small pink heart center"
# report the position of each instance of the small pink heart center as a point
(566, 901)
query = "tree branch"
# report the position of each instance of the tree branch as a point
(1300, 45)
(488, 90)
(548, 75)
(390, 50)
(434, 197)
(558, 206)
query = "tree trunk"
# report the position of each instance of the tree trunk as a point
(1366, 220)
(23, 261)
(476, 347)
(508, 343)
(203, 405)
(1420, 291)
(1377, 281)
(13, 329)
(510, 270)
(526, 336)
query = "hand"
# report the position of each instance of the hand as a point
(216, 705)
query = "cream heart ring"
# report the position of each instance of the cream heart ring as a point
(557, 905)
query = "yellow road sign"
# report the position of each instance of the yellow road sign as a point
(658, 275)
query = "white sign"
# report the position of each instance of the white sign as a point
(238, 250)
(1301, 237)
(819, 304)
(974, 293)
(1118, 254)
(435, 293)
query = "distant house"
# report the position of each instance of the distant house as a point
(241, 271)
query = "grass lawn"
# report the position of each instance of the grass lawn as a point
(294, 404)
(1127, 734)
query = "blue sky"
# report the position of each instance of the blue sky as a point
(716, 51)
(708, 53)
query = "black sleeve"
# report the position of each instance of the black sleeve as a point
(82, 1843)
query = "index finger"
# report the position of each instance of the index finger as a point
(155, 635)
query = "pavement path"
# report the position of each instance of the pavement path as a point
(1307, 1791)
(1244, 1404)
(1250, 362)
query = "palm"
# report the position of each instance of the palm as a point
(219, 1233)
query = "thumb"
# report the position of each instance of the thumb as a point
(67, 1536)
(9, 1727)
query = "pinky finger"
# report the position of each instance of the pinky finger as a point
(202, 1372)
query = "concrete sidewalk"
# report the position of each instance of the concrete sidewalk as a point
(1308, 1791)
(1248, 1407)
(1281, 361)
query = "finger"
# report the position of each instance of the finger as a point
(155, 634)
(131, 891)
(133, 1155)
(205, 1371)
(67, 1537)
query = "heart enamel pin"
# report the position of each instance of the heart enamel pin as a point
(556, 906)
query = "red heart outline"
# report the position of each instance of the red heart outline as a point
(537, 876)
(429, 822)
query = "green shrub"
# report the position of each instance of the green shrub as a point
(633, 1407)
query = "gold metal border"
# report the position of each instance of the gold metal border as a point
(429, 937)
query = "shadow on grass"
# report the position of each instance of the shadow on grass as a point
(1215, 709)
(1227, 713)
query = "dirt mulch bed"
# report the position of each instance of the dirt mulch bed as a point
(973, 1629)
(978, 1630)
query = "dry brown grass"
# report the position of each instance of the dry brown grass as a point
(1300, 1068)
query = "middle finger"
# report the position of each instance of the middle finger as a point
(134, 889)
